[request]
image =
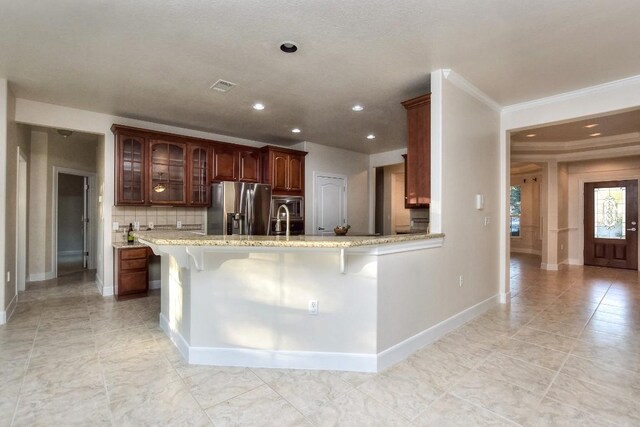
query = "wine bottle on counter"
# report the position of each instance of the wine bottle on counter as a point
(129, 235)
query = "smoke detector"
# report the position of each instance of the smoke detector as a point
(222, 86)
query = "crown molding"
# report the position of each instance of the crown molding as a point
(591, 90)
(472, 90)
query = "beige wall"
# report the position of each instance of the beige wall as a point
(426, 287)
(49, 150)
(470, 166)
(100, 224)
(530, 240)
(323, 159)
(38, 202)
(17, 138)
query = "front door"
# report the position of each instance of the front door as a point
(330, 203)
(611, 224)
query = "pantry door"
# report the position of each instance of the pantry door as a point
(331, 203)
(611, 224)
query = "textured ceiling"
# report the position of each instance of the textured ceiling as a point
(156, 60)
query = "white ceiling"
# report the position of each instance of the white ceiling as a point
(156, 60)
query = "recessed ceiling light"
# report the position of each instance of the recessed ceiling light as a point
(288, 47)
(357, 107)
(530, 135)
(595, 134)
(258, 106)
(371, 136)
(295, 130)
(592, 125)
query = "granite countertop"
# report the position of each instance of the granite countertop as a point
(173, 238)
(125, 245)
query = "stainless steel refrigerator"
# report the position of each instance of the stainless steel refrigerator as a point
(239, 208)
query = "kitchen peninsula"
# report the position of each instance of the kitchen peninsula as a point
(312, 302)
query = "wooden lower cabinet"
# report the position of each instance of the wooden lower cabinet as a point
(131, 273)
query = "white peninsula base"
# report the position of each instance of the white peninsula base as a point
(249, 305)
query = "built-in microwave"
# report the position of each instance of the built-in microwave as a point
(295, 204)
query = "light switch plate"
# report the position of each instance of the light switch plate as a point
(179, 224)
(115, 226)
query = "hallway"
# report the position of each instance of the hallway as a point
(564, 352)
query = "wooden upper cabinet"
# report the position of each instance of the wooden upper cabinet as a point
(225, 163)
(418, 158)
(198, 170)
(167, 173)
(157, 168)
(130, 169)
(296, 173)
(249, 162)
(284, 170)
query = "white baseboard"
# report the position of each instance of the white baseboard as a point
(12, 306)
(155, 284)
(405, 348)
(39, 277)
(356, 362)
(526, 251)
(175, 336)
(549, 267)
(574, 261)
(505, 297)
(105, 291)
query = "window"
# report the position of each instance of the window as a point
(515, 210)
(609, 211)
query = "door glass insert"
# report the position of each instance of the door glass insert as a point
(609, 210)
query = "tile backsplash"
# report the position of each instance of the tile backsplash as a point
(190, 217)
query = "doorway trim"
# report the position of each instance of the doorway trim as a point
(316, 176)
(22, 211)
(91, 244)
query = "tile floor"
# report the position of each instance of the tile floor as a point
(565, 351)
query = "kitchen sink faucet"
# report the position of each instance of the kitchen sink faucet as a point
(278, 227)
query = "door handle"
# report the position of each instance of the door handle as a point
(631, 229)
(321, 228)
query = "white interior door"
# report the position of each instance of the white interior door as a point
(331, 206)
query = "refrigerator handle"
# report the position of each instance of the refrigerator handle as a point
(249, 202)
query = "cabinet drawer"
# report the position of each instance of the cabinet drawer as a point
(129, 283)
(136, 253)
(133, 264)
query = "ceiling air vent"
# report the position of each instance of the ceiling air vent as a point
(222, 86)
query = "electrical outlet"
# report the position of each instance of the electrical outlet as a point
(313, 307)
(115, 226)
(461, 280)
(179, 224)
(487, 221)
(136, 225)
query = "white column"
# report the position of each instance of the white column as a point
(550, 219)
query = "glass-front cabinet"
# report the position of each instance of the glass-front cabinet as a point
(199, 176)
(130, 189)
(167, 172)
